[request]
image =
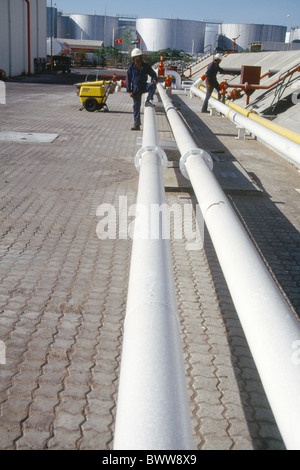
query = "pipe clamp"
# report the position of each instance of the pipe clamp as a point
(150, 148)
(202, 153)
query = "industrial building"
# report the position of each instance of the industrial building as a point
(23, 30)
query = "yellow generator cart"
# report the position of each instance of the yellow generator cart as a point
(93, 95)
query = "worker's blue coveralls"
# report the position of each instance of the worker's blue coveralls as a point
(136, 82)
(211, 82)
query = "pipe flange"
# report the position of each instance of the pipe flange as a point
(150, 148)
(202, 153)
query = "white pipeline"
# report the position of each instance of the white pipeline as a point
(282, 145)
(152, 408)
(270, 326)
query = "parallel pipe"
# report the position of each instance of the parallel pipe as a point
(282, 145)
(251, 114)
(270, 326)
(152, 409)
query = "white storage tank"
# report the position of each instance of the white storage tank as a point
(160, 33)
(295, 35)
(244, 34)
(93, 27)
(211, 37)
(63, 26)
(52, 14)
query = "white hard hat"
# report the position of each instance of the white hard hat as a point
(136, 52)
(218, 57)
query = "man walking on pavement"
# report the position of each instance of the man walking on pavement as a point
(136, 85)
(211, 80)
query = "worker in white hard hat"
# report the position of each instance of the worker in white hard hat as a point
(211, 80)
(136, 84)
(136, 52)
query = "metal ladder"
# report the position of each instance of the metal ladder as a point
(283, 84)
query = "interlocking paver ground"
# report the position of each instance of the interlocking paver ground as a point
(63, 290)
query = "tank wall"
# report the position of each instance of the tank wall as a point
(52, 22)
(93, 27)
(4, 38)
(295, 34)
(247, 33)
(273, 33)
(13, 34)
(38, 29)
(160, 33)
(190, 36)
(211, 37)
(63, 26)
(154, 34)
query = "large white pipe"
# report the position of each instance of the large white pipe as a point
(152, 408)
(174, 74)
(271, 328)
(282, 145)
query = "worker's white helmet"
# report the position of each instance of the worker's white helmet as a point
(136, 52)
(218, 57)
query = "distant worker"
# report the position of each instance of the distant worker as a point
(211, 80)
(136, 85)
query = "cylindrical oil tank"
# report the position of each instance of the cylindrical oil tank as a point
(160, 33)
(295, 34)
(51, 22)
(211, 37)
(93, 27)
(244, 34)
(273, 33)
(63, 26)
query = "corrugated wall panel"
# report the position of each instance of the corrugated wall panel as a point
(13, 33)
(4, 37)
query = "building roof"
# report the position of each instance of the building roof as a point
(82, 43)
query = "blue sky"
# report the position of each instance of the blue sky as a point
(233, 11)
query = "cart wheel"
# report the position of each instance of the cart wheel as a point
(90, 104)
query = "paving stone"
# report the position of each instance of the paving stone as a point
(32, 439)
(63, 290)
